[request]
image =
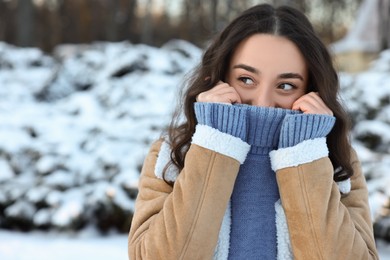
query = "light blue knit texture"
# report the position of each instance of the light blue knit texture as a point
(253, 230)
(226, 118)
(301, 127)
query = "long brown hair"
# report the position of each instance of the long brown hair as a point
(282, 21)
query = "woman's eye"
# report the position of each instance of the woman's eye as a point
(246, 80)
(286, 86)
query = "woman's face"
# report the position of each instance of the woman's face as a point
(269, 71)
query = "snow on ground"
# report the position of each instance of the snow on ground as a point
(75, 128)
(384, 250)
(44, 246)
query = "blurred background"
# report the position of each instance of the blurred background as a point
(48, 23)
(87, 85)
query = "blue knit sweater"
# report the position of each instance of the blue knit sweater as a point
(253, 230)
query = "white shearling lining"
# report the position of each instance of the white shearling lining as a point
(304, 152)
(220, 142)
(164, 157)
(344, 186)
(222, 249)
(282, 234)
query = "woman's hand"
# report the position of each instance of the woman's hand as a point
(312, 103)
(220, 93)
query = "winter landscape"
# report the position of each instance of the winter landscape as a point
(75, 128)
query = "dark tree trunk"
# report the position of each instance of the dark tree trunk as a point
(112, 25)
(147, 32)
(214, 15)
(384, 23)
(25, 23)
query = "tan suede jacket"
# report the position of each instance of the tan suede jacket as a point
(184, 221)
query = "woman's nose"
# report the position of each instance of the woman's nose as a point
(263, 99)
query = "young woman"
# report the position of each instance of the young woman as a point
(262, 167)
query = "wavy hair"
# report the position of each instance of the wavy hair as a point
(282, 21)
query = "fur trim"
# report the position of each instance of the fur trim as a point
(164, 157)
(220, 142)
(344, 186)
(284, 251)
(304, 152)
(222, 249)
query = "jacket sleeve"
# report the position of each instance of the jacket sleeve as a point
(183, 221)
(322, 222)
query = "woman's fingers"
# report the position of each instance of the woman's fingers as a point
(312, 103)
(220, 93)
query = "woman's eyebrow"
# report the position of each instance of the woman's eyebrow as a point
(287, 75)
(246, 67)
(290, 75)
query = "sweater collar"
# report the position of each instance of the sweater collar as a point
(263, 126)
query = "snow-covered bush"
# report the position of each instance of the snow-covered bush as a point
(367, 97)
(75, 129)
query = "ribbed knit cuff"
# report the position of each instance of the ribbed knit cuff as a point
(301, 127)
(226, 118)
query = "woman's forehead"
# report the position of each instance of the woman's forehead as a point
(262, 51)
